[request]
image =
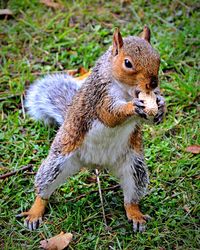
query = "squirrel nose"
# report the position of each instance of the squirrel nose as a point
(153, 82)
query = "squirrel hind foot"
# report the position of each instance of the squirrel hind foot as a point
(32, 223)
(139, 224)
(34, 214)
(135, 216)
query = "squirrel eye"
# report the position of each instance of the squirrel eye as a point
(128, 64)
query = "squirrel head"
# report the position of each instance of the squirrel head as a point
(134, 61)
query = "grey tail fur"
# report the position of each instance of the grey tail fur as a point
(48, 98)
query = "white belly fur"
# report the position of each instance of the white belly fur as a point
(104, 146)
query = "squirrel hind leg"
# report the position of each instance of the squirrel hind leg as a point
(51, 174)
(134, 180)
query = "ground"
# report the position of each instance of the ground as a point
(37, 40)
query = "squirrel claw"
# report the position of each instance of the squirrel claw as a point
(136, 216)
(141, 112)
(160, 101)
(139, 103)
(139, 224)
(139, 108)
(32, 224)
(34, 215)
(159, 117)
(19, 215)
(161, 109)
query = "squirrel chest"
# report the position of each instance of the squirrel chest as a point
(104, 146)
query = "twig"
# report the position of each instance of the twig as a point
(4, 176)
(9, 96)
(136, 15)
(183, 4)
(23, 109)
(30, 173)
(94, 191)
(101, 197)
(166, 22)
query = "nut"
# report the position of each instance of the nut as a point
(151, 107)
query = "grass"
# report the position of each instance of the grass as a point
(39, 40)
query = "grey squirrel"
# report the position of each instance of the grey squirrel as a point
(100, 122)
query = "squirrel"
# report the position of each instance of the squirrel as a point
(99, 121)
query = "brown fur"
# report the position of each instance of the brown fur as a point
(117, 42)
(77, 123)
(145, 67)
(112, 117)
(136, 141)
(133, 213)
(37, 210)
(146, 34)
(144, 58)
(93, 101)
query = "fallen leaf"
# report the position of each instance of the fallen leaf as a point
(57, 242)
(51, 4)
(186, 208)
(5, 12)
(91, 179)
(72, 72)
(126, 2)
(194, 149)
(82, 71)
(141, 13)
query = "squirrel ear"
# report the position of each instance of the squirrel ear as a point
(146, 34)
(117, 42)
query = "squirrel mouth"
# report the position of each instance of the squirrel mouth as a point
(137, 92)
(134, 92)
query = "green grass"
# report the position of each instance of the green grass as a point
(38, 40)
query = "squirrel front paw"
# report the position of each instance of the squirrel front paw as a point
(135, 216)
(34, 215)
(161, 109)
(139, 108)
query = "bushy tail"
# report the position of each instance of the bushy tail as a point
(48, 98)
